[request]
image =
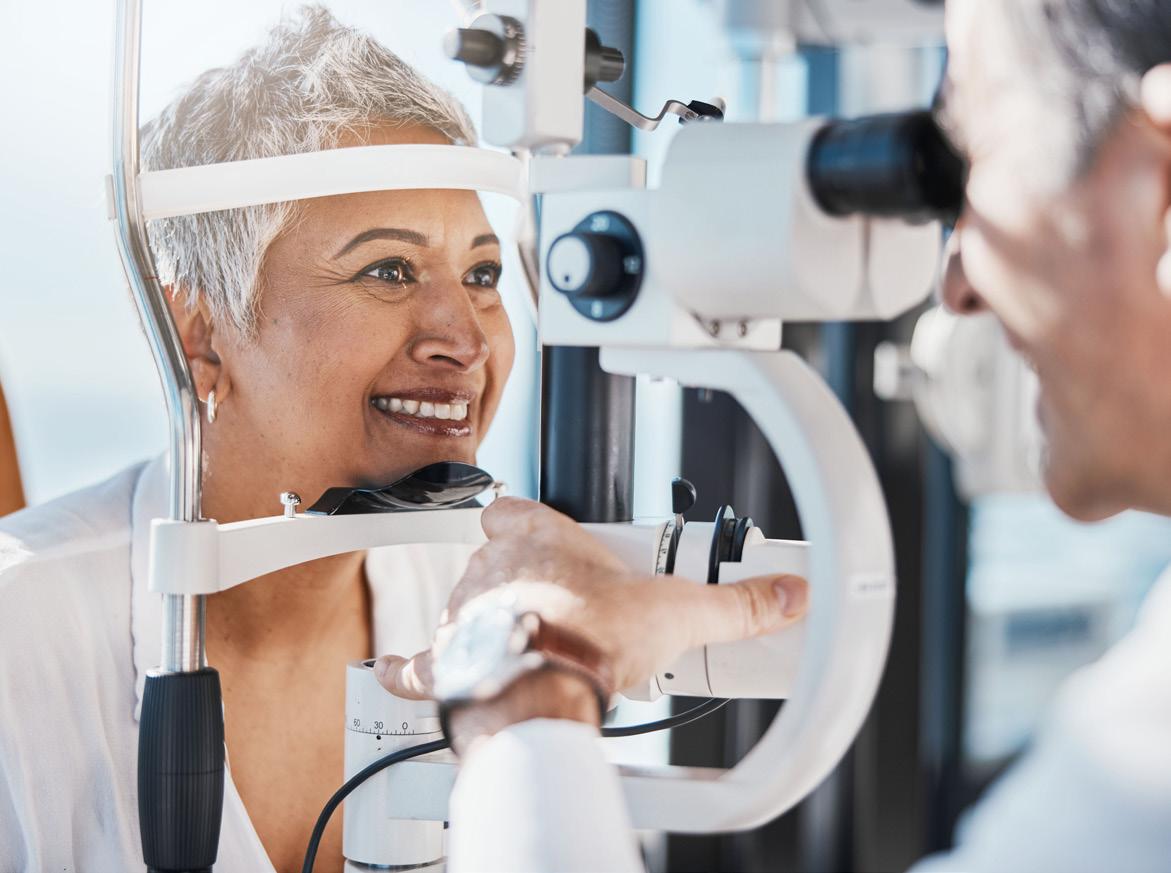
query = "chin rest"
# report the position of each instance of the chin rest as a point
(444, 485)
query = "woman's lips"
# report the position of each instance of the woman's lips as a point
(433, 411)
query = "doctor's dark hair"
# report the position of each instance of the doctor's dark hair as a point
(312, 82)
(1089, 57)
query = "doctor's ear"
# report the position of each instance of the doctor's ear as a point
(1156, 100)
(198, 334)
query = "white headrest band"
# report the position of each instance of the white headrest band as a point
(190, 190)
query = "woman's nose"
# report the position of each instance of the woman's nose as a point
(451, 335)
(958, 294)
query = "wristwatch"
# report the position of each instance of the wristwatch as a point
(493, 644)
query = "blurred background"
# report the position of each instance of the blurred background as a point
(1000, 596)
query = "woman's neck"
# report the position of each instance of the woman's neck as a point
(299, 609)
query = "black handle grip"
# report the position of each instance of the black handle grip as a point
(181, 771)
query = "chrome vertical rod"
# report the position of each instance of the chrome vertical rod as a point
(183, 615)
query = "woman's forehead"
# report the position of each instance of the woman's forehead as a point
(434, 218)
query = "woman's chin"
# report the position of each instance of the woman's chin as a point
(386, 474)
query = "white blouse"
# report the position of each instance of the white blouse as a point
(79, 630)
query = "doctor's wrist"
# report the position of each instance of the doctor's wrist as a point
(548, 693)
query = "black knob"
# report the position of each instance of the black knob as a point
(598, 265)
(473, 46)
(682, 496)
(603, 63)
(584, 264)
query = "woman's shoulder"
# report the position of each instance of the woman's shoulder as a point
(66, 666)
(60, 559)
(69, 528)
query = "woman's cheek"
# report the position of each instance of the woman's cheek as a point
(501, 355)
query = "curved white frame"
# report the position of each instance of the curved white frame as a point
(852, 592)
(192, 190)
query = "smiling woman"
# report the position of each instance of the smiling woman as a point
(338, 341)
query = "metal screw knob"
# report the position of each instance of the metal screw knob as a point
(603, 63)
(492, 48)
(290, 500)
(474, 46)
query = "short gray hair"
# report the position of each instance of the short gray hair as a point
(1090, 56)
(309, 84)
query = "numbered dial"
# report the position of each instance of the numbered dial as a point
(378, 723)
(372, 710)
(598, 265)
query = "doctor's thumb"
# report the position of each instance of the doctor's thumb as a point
(750, 608)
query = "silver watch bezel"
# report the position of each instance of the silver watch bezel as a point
(486, 651)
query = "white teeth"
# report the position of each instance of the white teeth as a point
(457, 411)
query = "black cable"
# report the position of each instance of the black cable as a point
(352, 783)
(674, 721)
(630, 730)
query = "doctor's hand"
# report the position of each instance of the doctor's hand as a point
(551, 565)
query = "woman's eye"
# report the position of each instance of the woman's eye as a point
(484, 276)
(394, 272)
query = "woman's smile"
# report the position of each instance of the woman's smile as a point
(434, 411)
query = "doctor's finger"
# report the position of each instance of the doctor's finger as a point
(749, 608)
(405, 677)
(516, 516)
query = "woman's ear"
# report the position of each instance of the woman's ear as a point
(1156, 99)
(197, 333)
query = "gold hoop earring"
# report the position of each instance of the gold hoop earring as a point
(211, 406)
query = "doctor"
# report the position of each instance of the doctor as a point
(1063, 109)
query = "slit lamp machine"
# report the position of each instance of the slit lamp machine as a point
(811, 218)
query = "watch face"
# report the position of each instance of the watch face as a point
(478, 654)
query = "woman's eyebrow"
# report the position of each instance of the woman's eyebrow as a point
(399, 233)
(485, 239)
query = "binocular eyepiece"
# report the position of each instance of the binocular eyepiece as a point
(898, 165)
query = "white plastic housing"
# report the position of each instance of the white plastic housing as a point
(764, 668)
(542, 108)
(979, 399)
(734, 212)
(734, 244)
(378, 723)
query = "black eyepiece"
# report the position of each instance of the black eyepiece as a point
(899, 165)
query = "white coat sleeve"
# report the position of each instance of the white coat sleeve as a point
(1094, 793)
(540, 796)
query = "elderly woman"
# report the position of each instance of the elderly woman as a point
(338, 341)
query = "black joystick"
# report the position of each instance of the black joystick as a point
(682, 496)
